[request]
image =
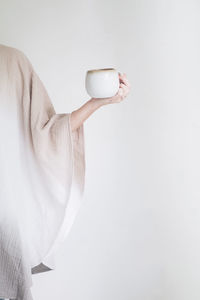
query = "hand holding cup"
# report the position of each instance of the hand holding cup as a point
(107, 85)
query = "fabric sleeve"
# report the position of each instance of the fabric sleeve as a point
(56, 147)
(59, 154)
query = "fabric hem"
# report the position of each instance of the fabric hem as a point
(77, 150)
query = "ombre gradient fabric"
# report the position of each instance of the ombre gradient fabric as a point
(42, 175)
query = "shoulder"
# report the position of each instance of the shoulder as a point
(13, 53)
(11, 50)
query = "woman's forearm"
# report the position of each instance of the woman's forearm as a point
(80, 115)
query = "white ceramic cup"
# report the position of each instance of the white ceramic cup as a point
(102, 83)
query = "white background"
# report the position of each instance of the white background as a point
(137, 235)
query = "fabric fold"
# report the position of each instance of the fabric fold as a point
(48, 160)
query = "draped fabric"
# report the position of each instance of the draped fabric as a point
(42, 175)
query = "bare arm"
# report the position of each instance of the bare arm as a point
(80, 115)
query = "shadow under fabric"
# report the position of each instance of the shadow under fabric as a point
(42, 175)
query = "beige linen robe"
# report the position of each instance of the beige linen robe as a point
(42, 174)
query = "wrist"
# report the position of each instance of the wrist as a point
(98, 102)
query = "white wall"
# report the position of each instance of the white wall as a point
(137, 235)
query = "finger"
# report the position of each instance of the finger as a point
(125, 81)
(124, 86)
(125, 89)
(120, 93)
(123, 75)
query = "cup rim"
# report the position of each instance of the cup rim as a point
(101, 70)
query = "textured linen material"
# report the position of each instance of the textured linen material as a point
(42, 175)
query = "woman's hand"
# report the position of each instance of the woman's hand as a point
(124, 89)
(77, 117)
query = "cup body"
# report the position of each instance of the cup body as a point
(102, 83)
